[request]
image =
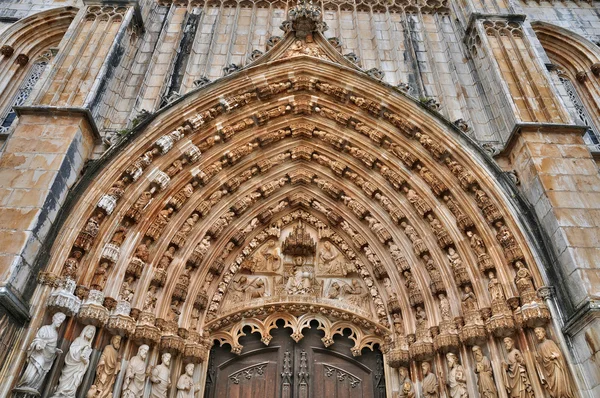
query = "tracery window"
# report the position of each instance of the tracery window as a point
(592, 135)
(8, 114)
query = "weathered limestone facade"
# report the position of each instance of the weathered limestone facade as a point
(159, 158)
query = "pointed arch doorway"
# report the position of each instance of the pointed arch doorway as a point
(289, 369)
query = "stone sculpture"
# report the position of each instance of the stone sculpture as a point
(160, 377)
(483, 368)
(406, 386)
(430, 383)
(77, 361)
(107, 369)
(185, 384)
(552, 367)
(135, 376)
(457, 379)
(40, 356)
(515, 377)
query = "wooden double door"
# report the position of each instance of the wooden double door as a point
(288, 369)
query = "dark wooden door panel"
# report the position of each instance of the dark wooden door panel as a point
(286, 369)
(248, 382)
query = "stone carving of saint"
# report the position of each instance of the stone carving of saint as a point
(40, 355)
(330, 260)
(469, 301)
(398, 324)
(303, 279)
(71, 265)
(445, 307)
(107, 369)
(483, 368)
(430, 383)
(355, 294)
(457, 379)
(552, 367)
(271, 257)
(185, 384)
(142, 251)
(100, 276)
(150, 300)
(160, 377)
(334, 291)
(135, 376)
(76, 363)
(515, 377)
(406, 386)
(127, 290)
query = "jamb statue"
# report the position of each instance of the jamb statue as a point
(40, 356)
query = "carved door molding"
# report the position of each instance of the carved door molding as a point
(289, 369)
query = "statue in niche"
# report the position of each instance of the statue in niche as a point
(166, 258)
(334, 291)
(142, 251)
(331, 262)
(107, 369)
(303, 280)
(71, 265)
(160, 222)
(476, 243)
(173, 315)
(160, 377)
(407, 389)
(445, 307)
(355, 294)
(271, 260)
(398, 324)
(77, 361)
(127, 290)
(495, 288)
(420, 205)
(524, 283)
(430, 383)
(175, 168)
(135, 375)
(469, 301)
(120, 234)
(189, 224)
(40, 355)
(100, 276)
(136, 210)
(515, 376)
(150, 300)
(483, 368)
(457, 378)
(185, 384)
(552, 367)
(387, 284)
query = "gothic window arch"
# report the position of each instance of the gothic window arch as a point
(575, 64)
(8, 114)
(581, 113)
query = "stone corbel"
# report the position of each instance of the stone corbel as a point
(7, 50)
(22, 60)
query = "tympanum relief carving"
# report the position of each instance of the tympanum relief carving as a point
(298, 264)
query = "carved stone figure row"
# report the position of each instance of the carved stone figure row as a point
(550, 364)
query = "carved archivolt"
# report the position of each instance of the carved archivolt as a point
(297, 324)
(150, 258)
